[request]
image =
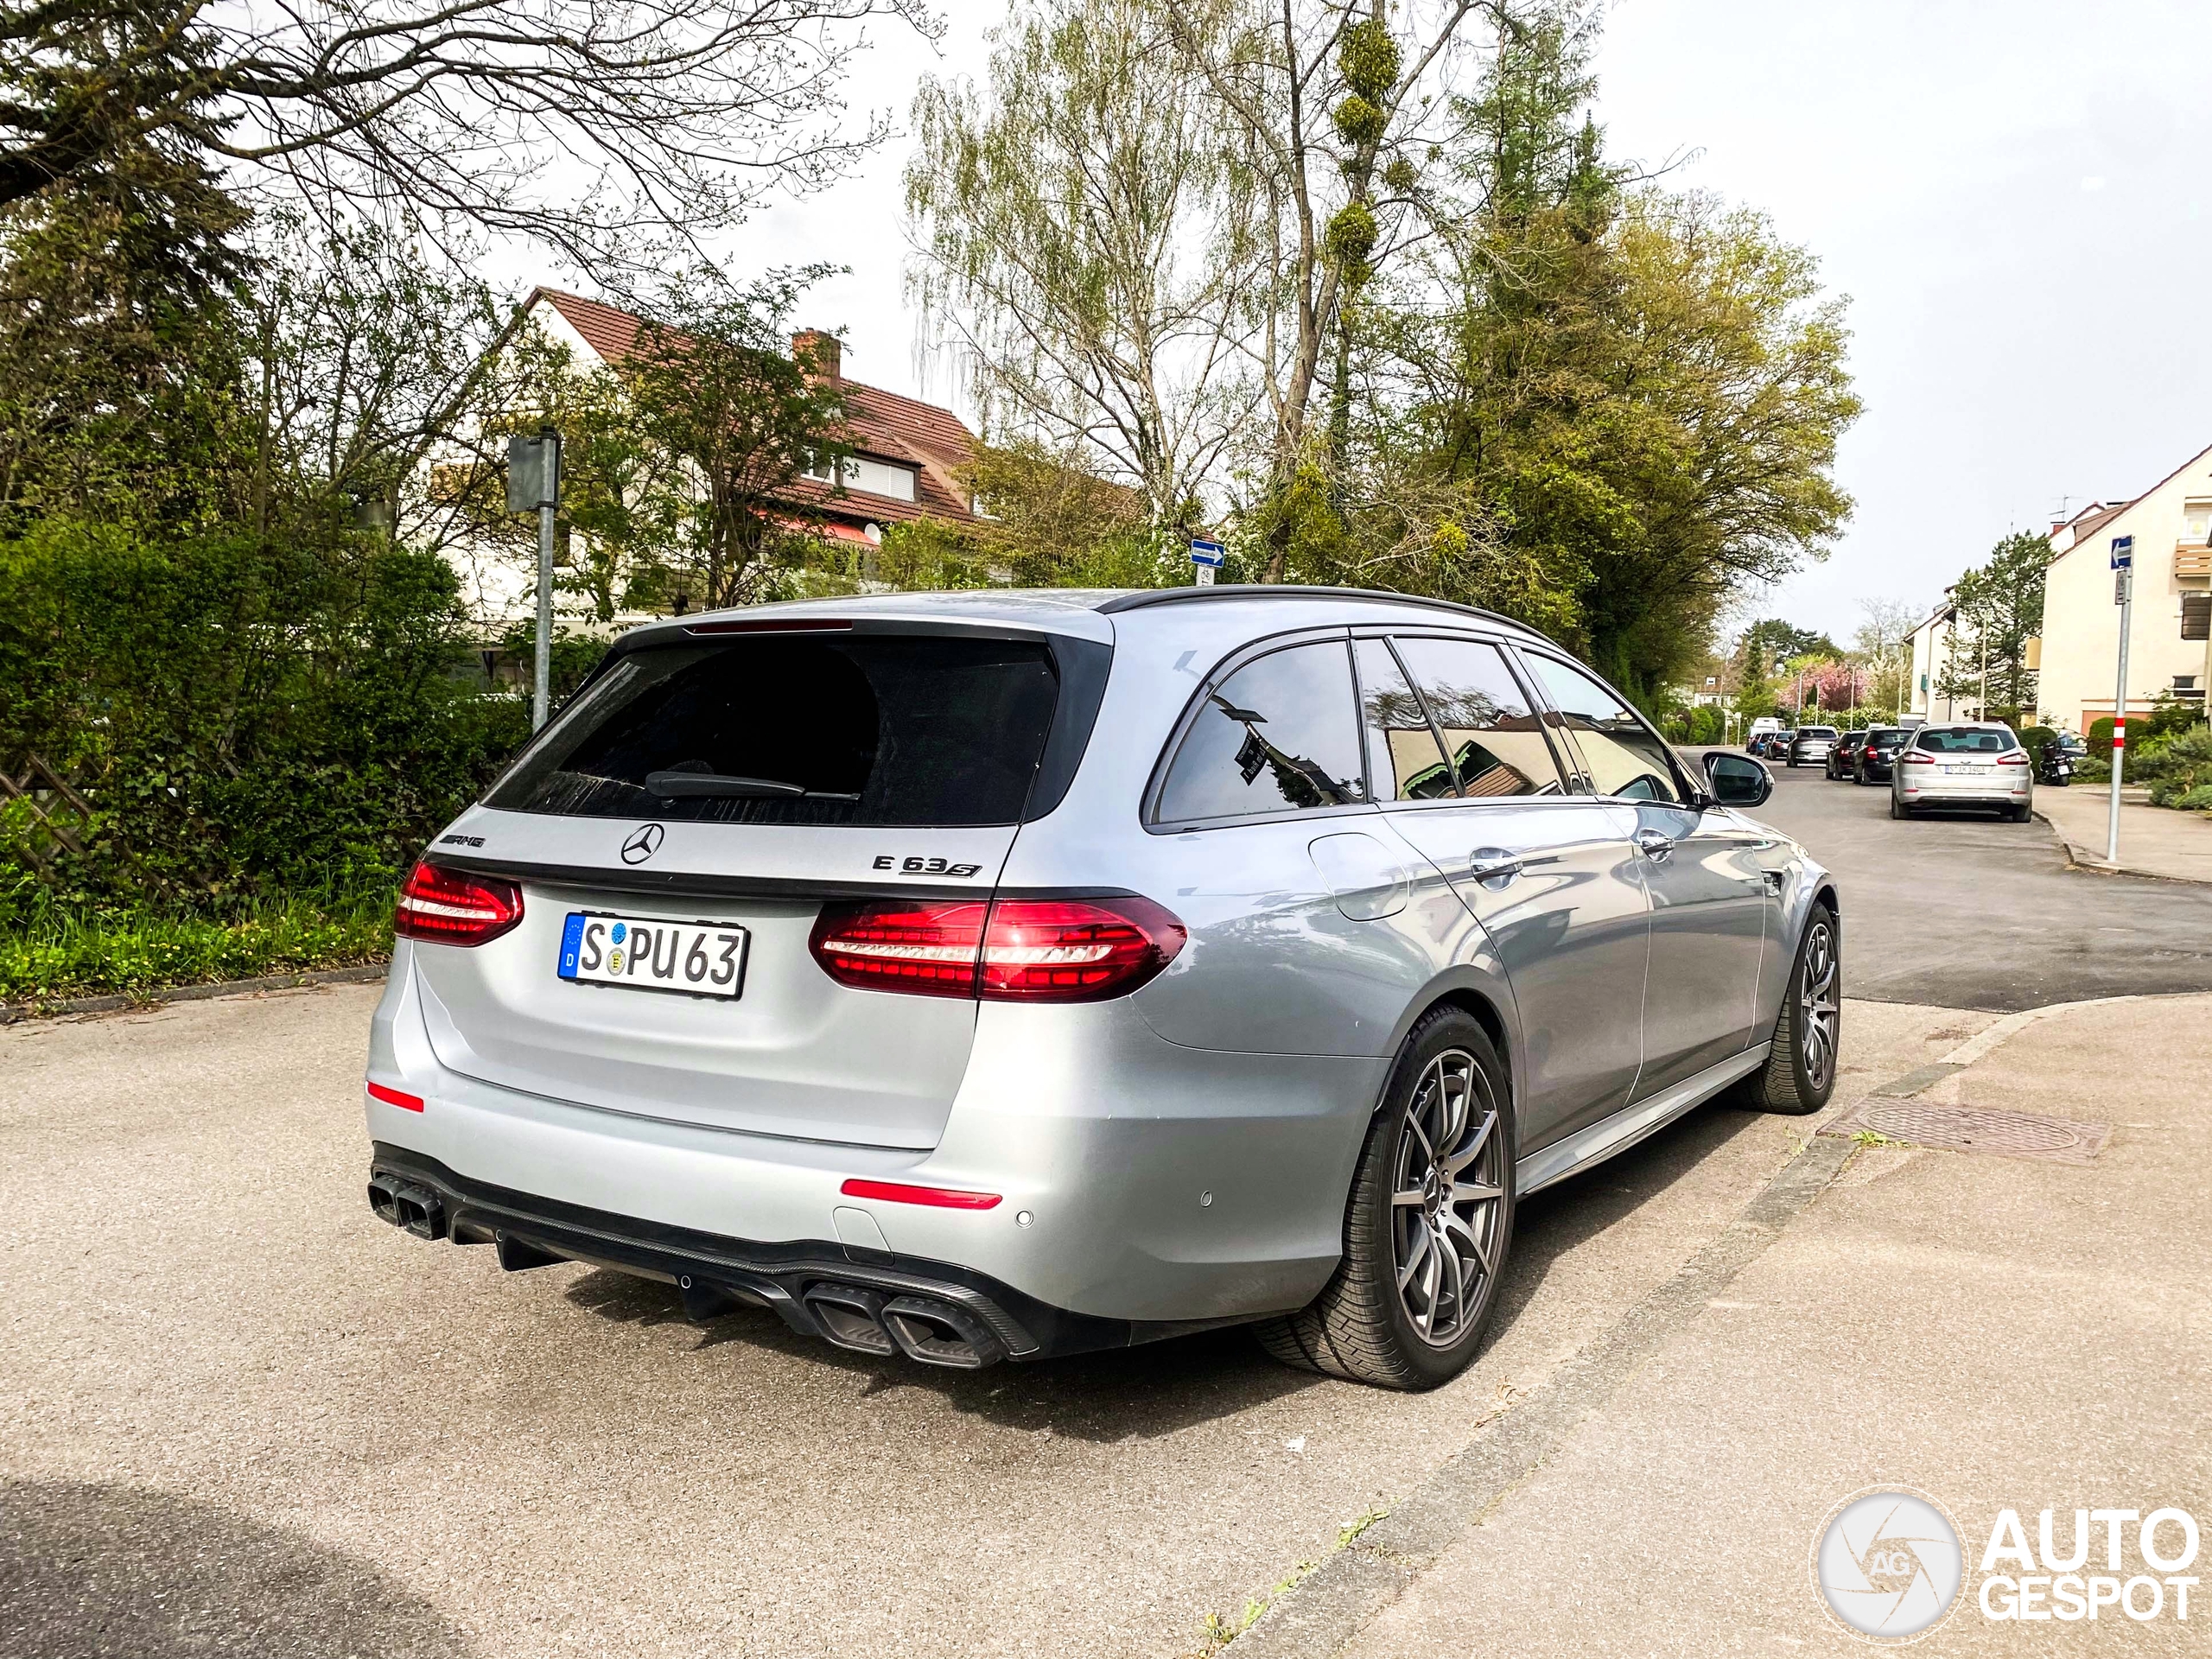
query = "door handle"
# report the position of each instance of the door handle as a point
(1653, 845)
(1494, 866)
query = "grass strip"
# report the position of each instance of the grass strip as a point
(60, 954)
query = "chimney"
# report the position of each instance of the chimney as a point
(828, 355)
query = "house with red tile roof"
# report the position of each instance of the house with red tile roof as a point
(907, 457)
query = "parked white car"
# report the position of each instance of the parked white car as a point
(1963, 763)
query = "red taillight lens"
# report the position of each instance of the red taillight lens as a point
(1011, 951)
(2017, 758)
(927, 950)
(447, 907)
(1915, 757)
(1074, 949)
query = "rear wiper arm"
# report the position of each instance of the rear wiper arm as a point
(696, 785)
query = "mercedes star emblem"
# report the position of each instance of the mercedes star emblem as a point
(643, 844)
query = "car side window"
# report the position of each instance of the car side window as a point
(1623, 756)
(1402, 756)
(1278, 736)
(1495, 740)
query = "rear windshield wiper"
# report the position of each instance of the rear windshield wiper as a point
(700, 785)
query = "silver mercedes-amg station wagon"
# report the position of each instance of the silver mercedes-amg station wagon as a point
(990, 975)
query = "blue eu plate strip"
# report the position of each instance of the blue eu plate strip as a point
(572, 941)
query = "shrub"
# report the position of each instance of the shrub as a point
(2196, 800)
(246, 722)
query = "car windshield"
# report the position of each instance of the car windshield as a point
(1964, 739)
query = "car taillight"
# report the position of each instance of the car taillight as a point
(1010, 950)
(1074, 949)
(2017, 758)
(1915, 757)
(449, 907)
(927, 950)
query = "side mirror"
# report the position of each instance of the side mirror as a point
(1736, 779)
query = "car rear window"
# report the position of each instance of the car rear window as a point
(1278, 736)
(1963, 740)
(866, 730)
(1885, 739)
(1816, 731)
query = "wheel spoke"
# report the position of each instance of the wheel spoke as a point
(1460, 1225)
(1417, 1252)
(1450, 1259)
(1414, 1197)
(1467, 1155)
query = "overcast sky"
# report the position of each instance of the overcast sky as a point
(2012, 194)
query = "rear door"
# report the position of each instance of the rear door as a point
(733, 784)
(1549, 874)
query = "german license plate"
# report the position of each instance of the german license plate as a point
(647, 954)
(1969, 772)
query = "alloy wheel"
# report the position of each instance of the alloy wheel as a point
(1818, 1005)
(1446, 1195)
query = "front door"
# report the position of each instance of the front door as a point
(1709, 896)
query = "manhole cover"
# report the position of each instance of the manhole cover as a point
(1968, 1128)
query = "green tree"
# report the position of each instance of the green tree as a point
(1092, 242)
(1999, 606)
(716, 386)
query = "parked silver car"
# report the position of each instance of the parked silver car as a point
(1811, 744)
(986, 975)
(1963, 763)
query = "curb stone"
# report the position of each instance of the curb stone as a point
(15, 1012)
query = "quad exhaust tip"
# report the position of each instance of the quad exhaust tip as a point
(924, 1328)
(403, 1204)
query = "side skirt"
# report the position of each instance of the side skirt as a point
(1631, 1124)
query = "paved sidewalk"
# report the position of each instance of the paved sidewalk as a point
(1995, 1331)
(2153, 840)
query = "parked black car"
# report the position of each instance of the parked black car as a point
(1876, 753)
(1840, 756)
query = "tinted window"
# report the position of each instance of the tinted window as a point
(1277, 736)
(1623, 756)
(1402, 753)
(1963, 740)
(1816, 731)
(858, 729)
(1880, 738)
(1494, 738)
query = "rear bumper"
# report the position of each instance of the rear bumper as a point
(1145, 1189)
(1976, 791)
(818, 1288)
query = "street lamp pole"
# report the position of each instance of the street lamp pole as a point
(534, 484)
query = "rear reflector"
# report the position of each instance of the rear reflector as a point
(394, 1097)
(944, 1198)
(449, 907)
(1009, 951)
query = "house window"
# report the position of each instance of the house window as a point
(867, 476)
(2196, 523)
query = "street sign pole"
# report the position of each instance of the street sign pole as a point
(2123, 563)
(534, 481)
(1206, 557)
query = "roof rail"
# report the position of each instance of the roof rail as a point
(1145, 596)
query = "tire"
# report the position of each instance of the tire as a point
(1897, 808)
(1800, 1072)
(2020, 814)
(1364, 1326)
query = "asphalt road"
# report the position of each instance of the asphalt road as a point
(1961, 909)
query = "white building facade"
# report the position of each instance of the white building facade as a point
(2170, 524)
